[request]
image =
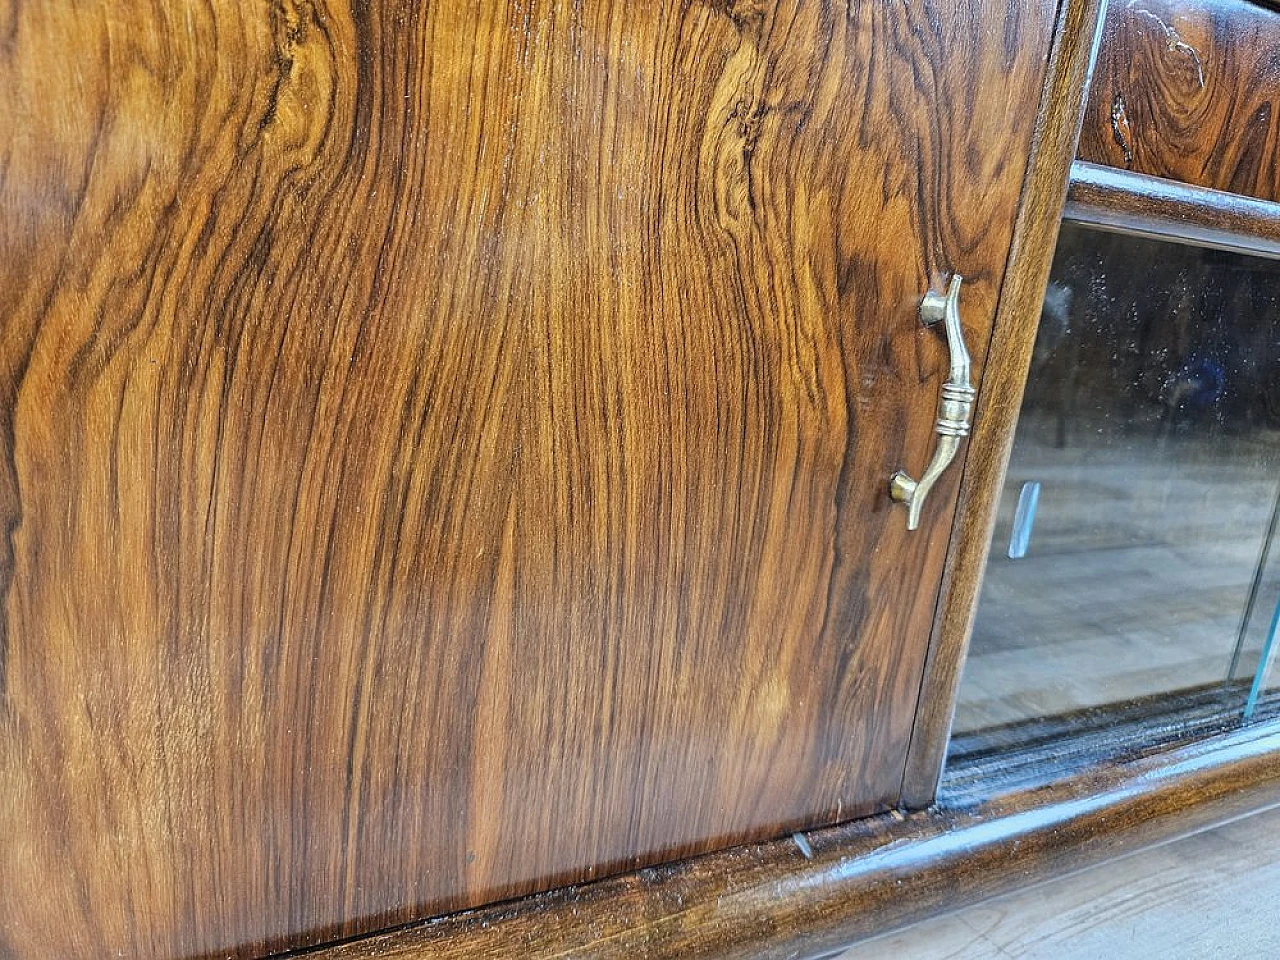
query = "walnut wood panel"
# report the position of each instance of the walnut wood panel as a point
(808, 895)
(444, 446)
(1189, 89)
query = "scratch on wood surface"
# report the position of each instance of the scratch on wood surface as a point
(1174, 42)
(1120, 128)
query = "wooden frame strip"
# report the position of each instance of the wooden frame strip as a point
(1135, 203)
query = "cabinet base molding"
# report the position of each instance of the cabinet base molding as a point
(808, 896)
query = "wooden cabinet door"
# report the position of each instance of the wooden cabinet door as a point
(444, 446)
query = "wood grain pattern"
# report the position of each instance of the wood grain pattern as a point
(1187, 89)
(1072, 59)
(771, 901)
(444, 445)
(1165, 209)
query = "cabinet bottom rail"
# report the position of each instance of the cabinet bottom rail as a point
(810, 895)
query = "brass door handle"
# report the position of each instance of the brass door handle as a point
(954, 409)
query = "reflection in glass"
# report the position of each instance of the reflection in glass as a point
(1266, 585)
(1130, 556)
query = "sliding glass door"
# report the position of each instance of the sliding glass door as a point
(1134, 563)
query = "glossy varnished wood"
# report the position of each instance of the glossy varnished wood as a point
(800, 898)
(1062, 106)
(1149, 206)
(1188, 90)
(444, 446)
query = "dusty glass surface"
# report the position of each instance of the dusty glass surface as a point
(1128, 556)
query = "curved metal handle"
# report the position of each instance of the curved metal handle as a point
(954, 409)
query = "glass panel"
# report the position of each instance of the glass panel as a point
(1259, 644)
(1144, 478)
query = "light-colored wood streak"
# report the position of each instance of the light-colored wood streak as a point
(443, 447)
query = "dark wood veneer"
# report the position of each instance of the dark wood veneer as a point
(1189, 90)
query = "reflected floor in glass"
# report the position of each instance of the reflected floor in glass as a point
(1140, 494)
